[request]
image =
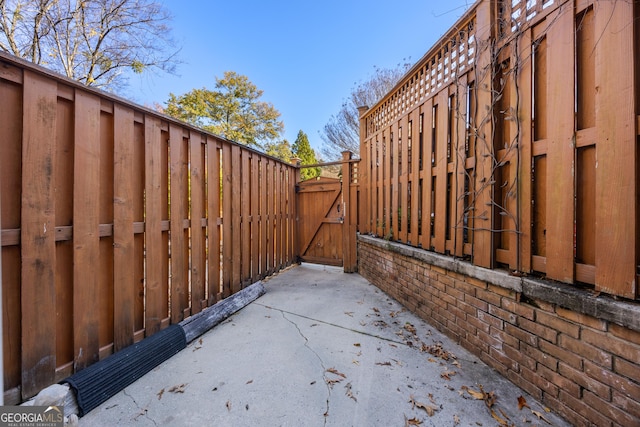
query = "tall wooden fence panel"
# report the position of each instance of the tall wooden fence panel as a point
(118, 221)
(514, 143)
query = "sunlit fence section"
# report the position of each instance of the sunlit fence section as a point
(513, 143)
(118, 221)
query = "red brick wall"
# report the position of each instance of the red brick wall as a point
(577, 352)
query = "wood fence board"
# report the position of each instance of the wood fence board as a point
(441, 131)
(123, 237)
(179, 208)
(63, 183)
(403, 171)
(138, 182)
(426, 111)
(392, 214)
(277, 214)
(213, 215)
(236, 212)
(616, 179)
(165, 316)
(154, 309)
(10, 202)
(525, 193)
(37, 234)
(105, 290)
(255, 218)
(86, 241)
(459, 165)
(270, 182)
(264, 216)
(245, 216)
(198, 281)
(483, 219)
(560, 164)
(227, 221)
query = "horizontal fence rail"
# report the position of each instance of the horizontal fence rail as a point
(514, 143)
(118, 221)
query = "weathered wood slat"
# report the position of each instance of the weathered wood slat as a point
(179, 209)
(37, 234)
(213, 224)
(616, 172)
(155, 311)
(123, 238)
(86, 240)
(560, 194)
(197, 211)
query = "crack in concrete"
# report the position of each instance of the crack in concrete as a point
(143, 411)
(324, 368)
(333, 324)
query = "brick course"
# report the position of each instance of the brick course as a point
(585, 368)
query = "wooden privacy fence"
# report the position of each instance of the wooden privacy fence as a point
(514, 142)
(117, 221)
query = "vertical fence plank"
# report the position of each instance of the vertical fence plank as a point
(197, 243)
(123, 238)
(270, 213)
(153, 231)
(525, 187)
(560, 156)
(105, 291)
(236, 219)
(63, 182)
(213, 216)
(264, 216)
(86, 239)
(227, 198)
(277, 213)
(616, 172)
(11, 110)
(427, 113)
(483, 217)
(245, 214)
(37, 234)
(255, 218)
(178, 197)
(138, 184)
(403, 170)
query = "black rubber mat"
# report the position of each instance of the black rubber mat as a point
(97, 383)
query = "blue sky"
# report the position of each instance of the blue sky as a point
(305, 55)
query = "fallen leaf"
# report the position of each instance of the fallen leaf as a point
(540, 416)
(456, 420)
(177, 388)
(522, 403)
(228, 405)
(500, 421)
(410, 328)
(247, 407)
(336, 372)
(312, 383)
(447, 374)
(356, 344)
(431, 398)
(160, 393)
(383, 363)
(200, 341)
(355, 362)
(428, 408)
(349, 313)
(432, 360)
(249, 382)
(376, 310)
(478, 395)
(411, 422)
(349, 392)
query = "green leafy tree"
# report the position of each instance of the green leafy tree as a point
(95, 42)
(280, 150)
(302, 150)
(342, 132)
(232, 110)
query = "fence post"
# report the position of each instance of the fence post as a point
(295, 161)
(349, 260)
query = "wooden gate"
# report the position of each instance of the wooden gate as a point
(327, 215)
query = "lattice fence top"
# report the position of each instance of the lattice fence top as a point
(452, 57)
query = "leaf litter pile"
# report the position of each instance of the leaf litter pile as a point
(409, 335)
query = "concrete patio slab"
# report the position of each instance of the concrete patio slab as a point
(322, 348)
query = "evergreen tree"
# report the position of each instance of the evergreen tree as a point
(302, 149)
